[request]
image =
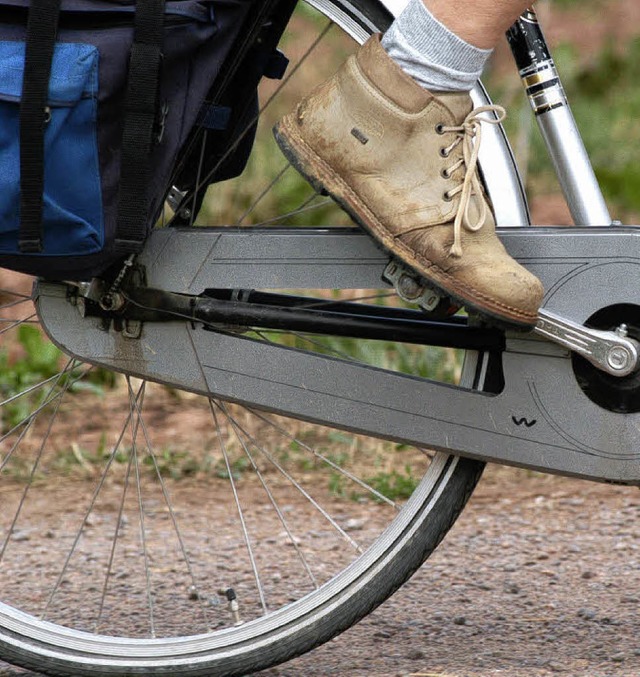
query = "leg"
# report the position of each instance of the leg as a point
(481, 23)
(402, 159)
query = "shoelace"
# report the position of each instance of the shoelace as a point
(470, 129)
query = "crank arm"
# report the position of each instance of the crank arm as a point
(611, 351)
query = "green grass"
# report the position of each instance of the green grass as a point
(38, 360)
(394, 485)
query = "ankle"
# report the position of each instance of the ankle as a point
(434, 56)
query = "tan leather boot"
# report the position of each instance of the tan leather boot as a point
(402, 162)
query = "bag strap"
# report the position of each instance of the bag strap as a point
(140, 116)
(42, 28)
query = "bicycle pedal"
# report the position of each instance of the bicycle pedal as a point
(410, 289)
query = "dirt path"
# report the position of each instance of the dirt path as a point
(539, 577)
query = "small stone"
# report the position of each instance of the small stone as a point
(587, 614)
(382, 634)
(618, 657)
(415, 655)
(555, 667)
(587, 575)
(460, 620)
(354, 524)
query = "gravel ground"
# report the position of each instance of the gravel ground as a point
(538, 577)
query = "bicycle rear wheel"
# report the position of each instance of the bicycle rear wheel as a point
(149, 531)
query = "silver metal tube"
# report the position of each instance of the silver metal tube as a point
(557, 124)
(573, 168)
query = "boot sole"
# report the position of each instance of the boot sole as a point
(324, 180)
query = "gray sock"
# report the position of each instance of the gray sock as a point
(430, 53)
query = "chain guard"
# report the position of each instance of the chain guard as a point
(541, 418)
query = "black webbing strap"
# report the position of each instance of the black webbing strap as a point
(42, 27)
(140, 113)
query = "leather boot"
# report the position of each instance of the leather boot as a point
(403, 162)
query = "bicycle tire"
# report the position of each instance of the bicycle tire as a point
(294, 628)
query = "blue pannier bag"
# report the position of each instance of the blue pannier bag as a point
(97, 99)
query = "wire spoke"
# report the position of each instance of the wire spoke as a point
(34, 414)
(270, 495)
(306, 206)
(263, 194)
(119, 519)
(236, 498)
(300, 489)
(40, 384)
(34, 468)
(135, 425)
(329, 350)
(87, 513)
(31, 319)
(13, 292)
(324, 459)
(170, 508)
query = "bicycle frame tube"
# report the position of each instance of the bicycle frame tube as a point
(557, 124)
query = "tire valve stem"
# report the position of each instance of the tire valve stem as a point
(234, 607)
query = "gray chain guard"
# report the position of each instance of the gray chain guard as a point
(540, 420)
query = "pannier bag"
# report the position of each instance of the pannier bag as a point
(97, 97)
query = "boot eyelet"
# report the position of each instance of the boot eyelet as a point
(445, 174)
(444, 153)
(447, 197)
(440, 128)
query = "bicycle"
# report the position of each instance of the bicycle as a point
(220, 326)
